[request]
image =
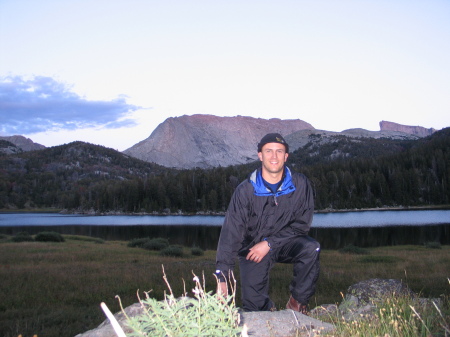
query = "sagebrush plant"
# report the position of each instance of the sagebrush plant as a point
(156, 244)
(22, 237)
(173, 251)
(197, 251)
(49, 237)
(138, 242)
(205, 314)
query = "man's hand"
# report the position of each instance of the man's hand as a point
(222, 289)
(258, 251)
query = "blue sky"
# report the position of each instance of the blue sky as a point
(109, 72)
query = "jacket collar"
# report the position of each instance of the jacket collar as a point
(260, 189)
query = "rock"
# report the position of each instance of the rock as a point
(106, 330)
(284, 323)
(363, 297)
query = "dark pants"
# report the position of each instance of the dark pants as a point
(303, 252)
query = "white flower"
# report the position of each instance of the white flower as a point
(195, 279)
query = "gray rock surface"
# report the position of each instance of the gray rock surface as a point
(284, 323)
(106, 330)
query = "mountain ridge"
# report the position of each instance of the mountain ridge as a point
(206, 141)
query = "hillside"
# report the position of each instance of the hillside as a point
(53, 177)
(316, 147)
(347, 173)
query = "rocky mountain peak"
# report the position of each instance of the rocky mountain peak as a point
(413, 130)
(25, 144)
(206, 141)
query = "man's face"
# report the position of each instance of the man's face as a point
(273, 157)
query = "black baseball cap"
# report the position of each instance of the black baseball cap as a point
(272, 138)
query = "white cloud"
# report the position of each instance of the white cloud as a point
(43, 104)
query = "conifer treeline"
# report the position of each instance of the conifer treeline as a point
(419, 175)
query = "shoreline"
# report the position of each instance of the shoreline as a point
(210, 213)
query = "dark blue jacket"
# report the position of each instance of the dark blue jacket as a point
(256, 213)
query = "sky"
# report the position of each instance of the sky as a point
(108, 72)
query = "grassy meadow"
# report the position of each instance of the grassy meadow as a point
(55, 288)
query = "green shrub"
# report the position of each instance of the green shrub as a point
(49, 237)
(21, 237)
(433, 245)
(197, 251)
(156, 244)
(351, 249)
(205, 315)
(138, 242)
(175, 251)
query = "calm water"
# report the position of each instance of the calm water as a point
(321, 220)
(332, 230)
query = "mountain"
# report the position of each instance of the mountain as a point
(25, 144)
(414, 130)
(206, 141)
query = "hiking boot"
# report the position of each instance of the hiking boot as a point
(296, 306)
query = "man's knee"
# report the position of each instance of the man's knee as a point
(314, 246)
(310, 247)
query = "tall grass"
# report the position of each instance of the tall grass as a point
(397, 316)
(54, 289)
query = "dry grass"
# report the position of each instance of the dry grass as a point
(54, 289)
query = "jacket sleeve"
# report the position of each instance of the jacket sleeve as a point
(232, 233)
(302, 214)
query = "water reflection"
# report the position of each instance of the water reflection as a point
(207, 237)
(332, 230)
(322, 220)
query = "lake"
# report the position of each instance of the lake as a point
(332, 230)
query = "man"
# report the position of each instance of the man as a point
(267, 221)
